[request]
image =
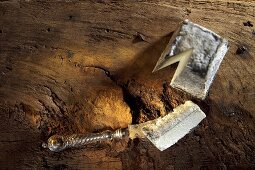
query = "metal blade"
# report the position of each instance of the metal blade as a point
(165, 131)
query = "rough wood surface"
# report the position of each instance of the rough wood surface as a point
(85, 66)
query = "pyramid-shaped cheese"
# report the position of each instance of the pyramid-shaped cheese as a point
(199, 52)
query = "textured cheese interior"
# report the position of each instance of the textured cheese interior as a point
(190, 83)
(203, 42)
(166, 131)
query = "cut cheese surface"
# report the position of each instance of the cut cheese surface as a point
(166, 131)
(199, 52)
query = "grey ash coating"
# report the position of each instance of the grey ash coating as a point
(203, 42)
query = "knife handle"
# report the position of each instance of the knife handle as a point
(57, 143)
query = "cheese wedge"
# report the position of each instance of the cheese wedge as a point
(166, 131)
(199, 52)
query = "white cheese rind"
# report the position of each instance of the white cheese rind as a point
(166, 131)
(208, 52)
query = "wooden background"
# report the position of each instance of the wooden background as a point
(85, 66)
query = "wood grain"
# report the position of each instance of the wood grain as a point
(85, 66)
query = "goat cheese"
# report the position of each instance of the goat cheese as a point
(199, 52)
(166, 131)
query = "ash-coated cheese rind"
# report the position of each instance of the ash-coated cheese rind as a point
(166, 131)
(197, 73)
